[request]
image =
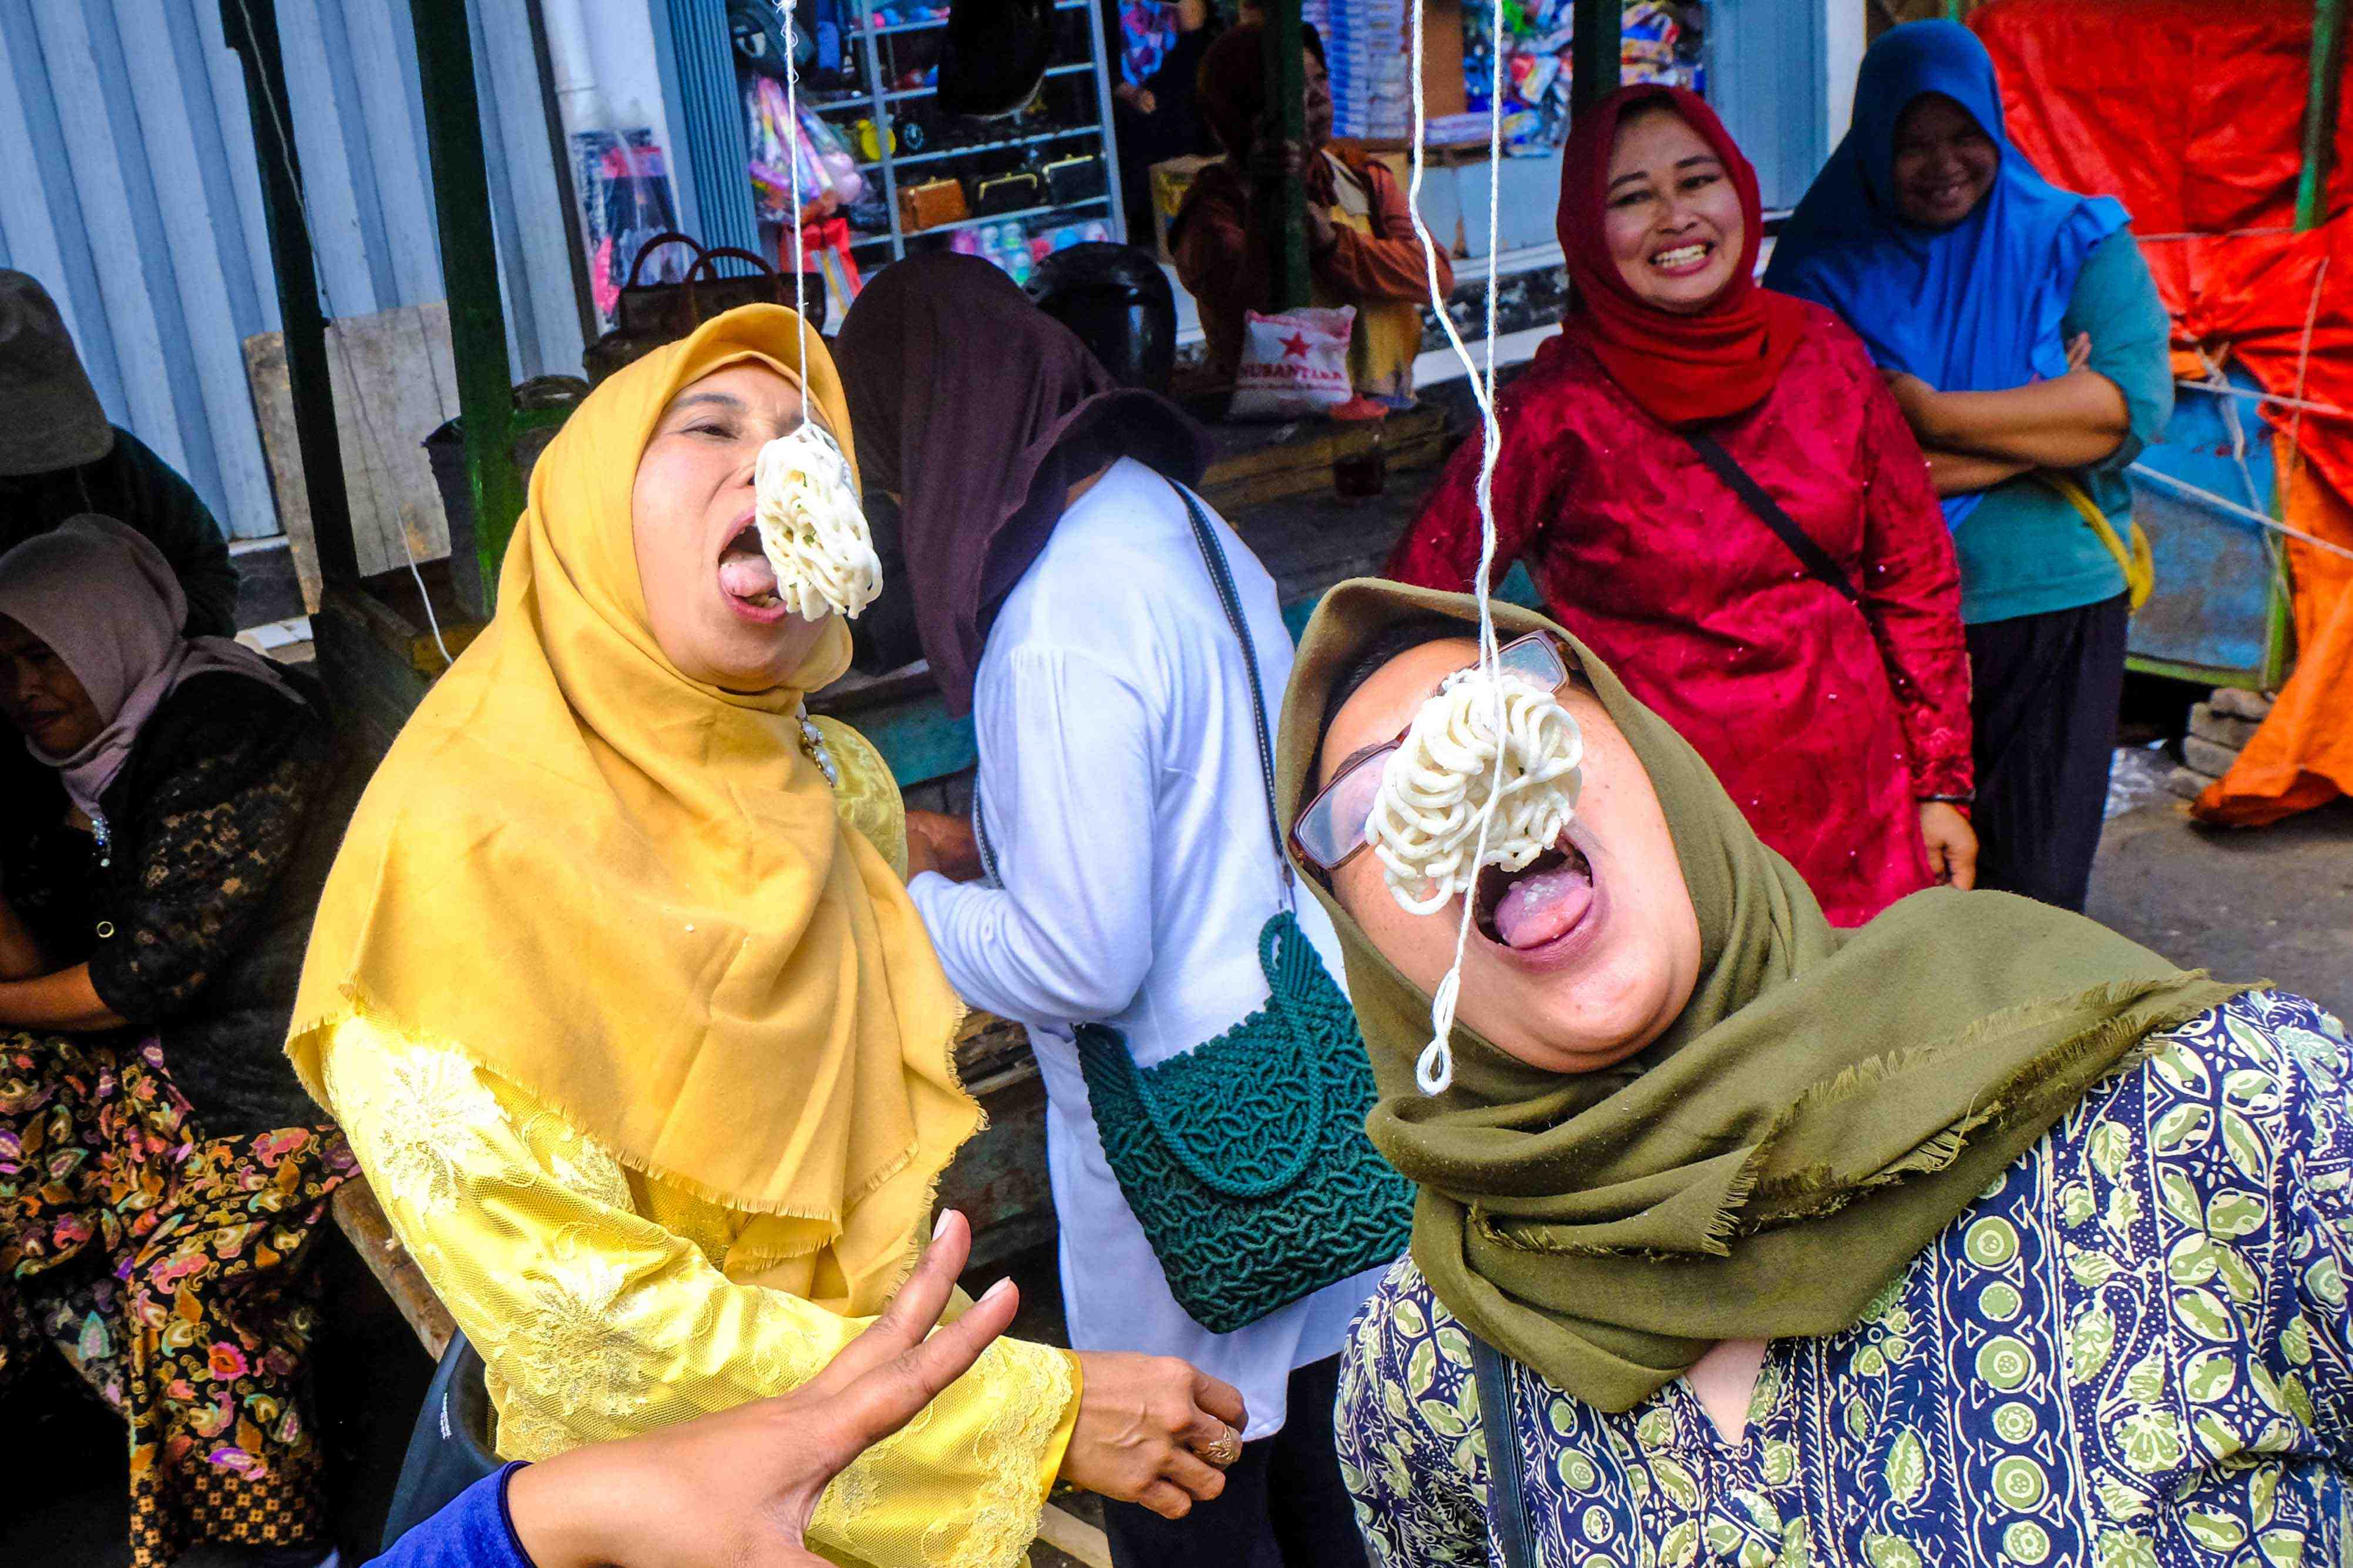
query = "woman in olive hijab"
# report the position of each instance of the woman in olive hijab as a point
(1977, 1235)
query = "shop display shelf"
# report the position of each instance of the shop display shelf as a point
(1017, 216)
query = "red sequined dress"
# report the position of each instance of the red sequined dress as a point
(1827, 724)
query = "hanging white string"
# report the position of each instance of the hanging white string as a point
(1434, 1071)
(793, 165)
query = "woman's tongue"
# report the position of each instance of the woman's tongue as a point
(1542, 906)
(747, 576)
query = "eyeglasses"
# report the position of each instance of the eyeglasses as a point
(1330, 832)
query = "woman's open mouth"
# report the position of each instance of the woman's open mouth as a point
(1684, 259)
(747, 580)
(1542, 908)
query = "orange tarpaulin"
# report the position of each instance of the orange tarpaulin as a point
(2191, 114)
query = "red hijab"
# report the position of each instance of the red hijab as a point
(1681, 369)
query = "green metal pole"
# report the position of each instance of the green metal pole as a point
(2327, 61)
(1956, 9)
(469, 272)
(1595, 54)
(1286, 91)
(2320, 113)
(250, 26)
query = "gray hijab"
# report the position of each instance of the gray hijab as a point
(107, 603)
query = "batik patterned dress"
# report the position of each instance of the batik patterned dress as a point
(2132, 1351)
(164, 1265)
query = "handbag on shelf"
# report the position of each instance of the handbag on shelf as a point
(1013, 190)
(1075, 179)
(650, 315)
(1245, 1158)
(930, 204)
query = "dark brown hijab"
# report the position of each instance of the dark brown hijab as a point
(979, 411)
(1231, 87)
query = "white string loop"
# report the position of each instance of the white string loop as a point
(1435, 1070)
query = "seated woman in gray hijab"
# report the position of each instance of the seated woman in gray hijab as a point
(1974, 1236)
(161, 1170)
(59, 457)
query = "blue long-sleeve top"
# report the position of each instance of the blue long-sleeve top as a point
(473, 1531)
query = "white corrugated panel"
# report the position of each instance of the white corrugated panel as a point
(130, 189)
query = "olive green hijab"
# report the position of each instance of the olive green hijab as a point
(1826, 1103)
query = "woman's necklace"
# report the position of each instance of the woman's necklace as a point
(813, 747)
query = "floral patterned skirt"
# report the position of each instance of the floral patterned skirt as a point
(164, 1265)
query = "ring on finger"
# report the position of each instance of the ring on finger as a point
(1225, 1450)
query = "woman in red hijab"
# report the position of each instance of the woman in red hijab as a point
(1805, 636)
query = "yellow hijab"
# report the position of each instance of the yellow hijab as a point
(626, 892)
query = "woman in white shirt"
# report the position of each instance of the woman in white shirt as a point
(1063, 599)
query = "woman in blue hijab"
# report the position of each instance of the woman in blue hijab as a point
(2022, 333)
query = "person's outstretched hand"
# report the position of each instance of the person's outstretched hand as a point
(737, 1489)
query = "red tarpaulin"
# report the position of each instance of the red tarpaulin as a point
(2192, 115)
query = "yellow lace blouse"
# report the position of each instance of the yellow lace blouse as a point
(602, 1304)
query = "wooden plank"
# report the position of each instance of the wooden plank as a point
(1074, 1537)
(362, 1219)
(395, 383)
(273, 408)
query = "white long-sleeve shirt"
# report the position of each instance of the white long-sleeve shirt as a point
(1121, 791)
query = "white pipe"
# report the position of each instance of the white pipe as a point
(2253, 395)
(2208, 498)
(579, 101)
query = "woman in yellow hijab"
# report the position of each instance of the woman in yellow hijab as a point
(645, 1053)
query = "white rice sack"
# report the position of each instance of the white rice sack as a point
(812, 529)
(1293, 366)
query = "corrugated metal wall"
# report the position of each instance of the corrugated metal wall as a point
(130, 189)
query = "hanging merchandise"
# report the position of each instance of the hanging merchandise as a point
(824, 243)
(1659, 40)
(625, 202)
(789, 156)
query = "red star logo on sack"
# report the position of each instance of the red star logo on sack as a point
(1295, 346)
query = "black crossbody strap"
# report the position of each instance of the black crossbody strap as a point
(1814, 557)
(1507, 1502)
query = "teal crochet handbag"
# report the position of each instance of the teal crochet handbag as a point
(1245, 1158)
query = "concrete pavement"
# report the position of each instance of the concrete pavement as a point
(2272, 903)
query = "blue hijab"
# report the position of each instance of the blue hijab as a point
(1973, 308)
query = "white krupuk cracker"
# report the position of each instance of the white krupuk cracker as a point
(1424, 825)
(812, 529)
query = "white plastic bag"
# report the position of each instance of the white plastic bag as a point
(1294, 364)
